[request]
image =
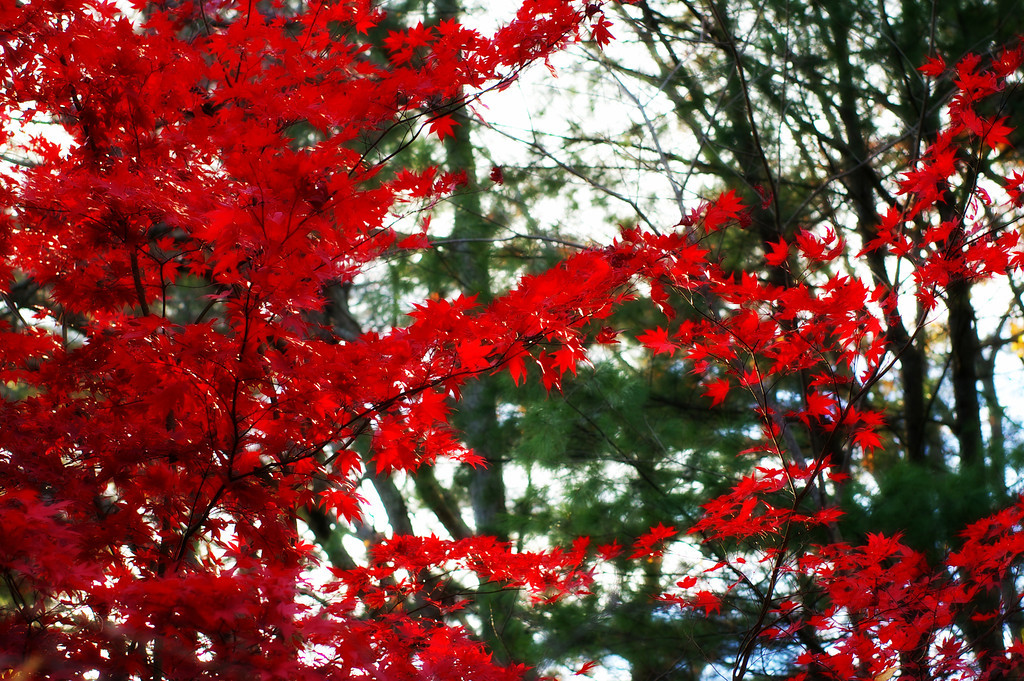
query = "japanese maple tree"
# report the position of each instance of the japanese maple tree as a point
(174, 399)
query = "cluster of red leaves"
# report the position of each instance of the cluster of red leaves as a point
(161, 442)
(404, 566)
(175, 395)
(885, 609)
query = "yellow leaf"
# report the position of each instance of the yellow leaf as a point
(887, 674)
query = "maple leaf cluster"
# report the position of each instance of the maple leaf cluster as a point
(173, 394)
(174, 397)
(878, 608)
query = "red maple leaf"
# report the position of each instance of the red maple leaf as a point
(415, 241)
(443, 126)
(934, 67)
(600, 31)
(717, 389)
(658, 341)
(995, 133)
(609, 551)
(517, 369)
(707, 601)
(652, 542)
(725, 208)
(587, 667)
(777, 253)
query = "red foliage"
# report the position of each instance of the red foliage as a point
(156, 457)
(883, 606)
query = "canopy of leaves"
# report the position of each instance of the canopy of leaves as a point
(181, 411)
